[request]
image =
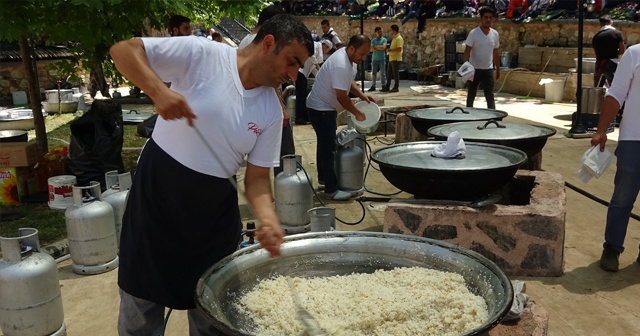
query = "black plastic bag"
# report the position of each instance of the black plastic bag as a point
(146, 127)
(96, 143)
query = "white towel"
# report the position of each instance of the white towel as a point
(346, 135)
(519, 301)
(454, 148)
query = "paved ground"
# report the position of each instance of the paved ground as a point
(585, 301)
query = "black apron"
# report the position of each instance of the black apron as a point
(177, 223)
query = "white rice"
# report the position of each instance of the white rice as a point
(403, 301)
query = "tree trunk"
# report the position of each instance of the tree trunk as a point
(34, 94)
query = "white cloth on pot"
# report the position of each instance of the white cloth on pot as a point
(454, 148)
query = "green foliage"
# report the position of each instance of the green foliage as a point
(91, 27)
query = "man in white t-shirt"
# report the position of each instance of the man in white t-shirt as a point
(330, 91)
(483, 53)
(625, 89)
(287, 145)
(182, 210)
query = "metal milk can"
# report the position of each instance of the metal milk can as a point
(293, 195)
(118, 186)
(91, 231)
(30, 298)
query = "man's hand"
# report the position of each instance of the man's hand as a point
(498, 73)
(172, 105)
(360, 116)
(369, 99)
(270, 237)
(599, 139)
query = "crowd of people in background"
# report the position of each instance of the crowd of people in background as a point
(518, 10)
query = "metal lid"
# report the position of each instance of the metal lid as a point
(478, 156)
(456, 114)
(492, 130)
(133, 116)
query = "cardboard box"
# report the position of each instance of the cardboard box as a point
(15, 184)
(19, 154)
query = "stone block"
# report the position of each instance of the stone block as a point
(405, 132)
(523, 240)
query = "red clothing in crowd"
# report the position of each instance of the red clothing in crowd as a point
(517, 4)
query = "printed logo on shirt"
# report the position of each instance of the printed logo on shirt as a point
(253, 127)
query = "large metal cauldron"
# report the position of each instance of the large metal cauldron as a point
(341, 253)
(525, 137)
(485, 169)
(423, 119)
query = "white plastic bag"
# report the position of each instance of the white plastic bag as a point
(466, 71)
(594, 163)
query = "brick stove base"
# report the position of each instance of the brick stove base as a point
(523, 240)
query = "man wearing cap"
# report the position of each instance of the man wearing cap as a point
(608, 45)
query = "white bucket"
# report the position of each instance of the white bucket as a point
(61, 191)
(553, 91)
(52, 95)
(372, 117)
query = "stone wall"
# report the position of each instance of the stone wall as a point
(428, 47)
(14, 78)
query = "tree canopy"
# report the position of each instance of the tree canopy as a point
(91, 27)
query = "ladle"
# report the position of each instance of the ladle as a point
(311, 326)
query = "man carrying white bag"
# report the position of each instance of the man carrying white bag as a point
(625, 88)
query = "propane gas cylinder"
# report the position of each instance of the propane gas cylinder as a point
(349, 167)
(30, 299)
(91, 231)
(293, 196)
(118, 186)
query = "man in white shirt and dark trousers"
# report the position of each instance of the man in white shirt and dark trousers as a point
(312, 65)
(330, 91)
(625, 89)
(221, 108)
(483, 53)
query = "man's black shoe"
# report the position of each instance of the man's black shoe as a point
(394, 90)
(302, 122)
(384, 89)
(373, 88)
(609, 260)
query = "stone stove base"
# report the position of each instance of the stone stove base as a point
(525, 239)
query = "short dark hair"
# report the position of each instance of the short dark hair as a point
(267, 13)
(325, 22)
(358, 41)
(377, 29)
(395, 28)
(215, 36)
(285, 29)
(485, 10)
(176, 21)
(605, 19)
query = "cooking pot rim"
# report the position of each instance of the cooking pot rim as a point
(457, 171)
(479, 258)
(548, 132)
